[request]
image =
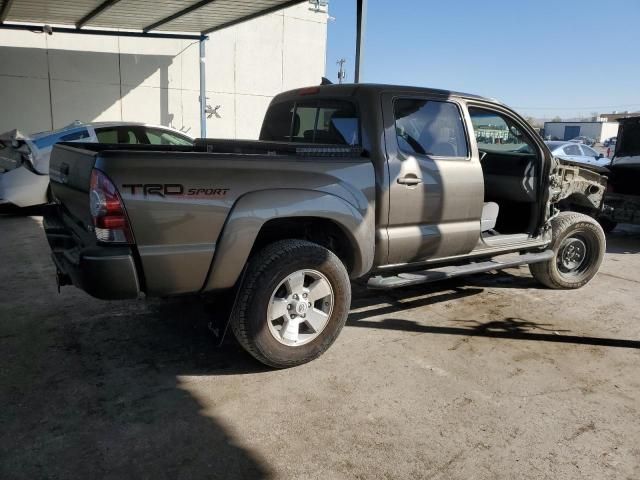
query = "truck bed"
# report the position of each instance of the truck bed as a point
(179, 199)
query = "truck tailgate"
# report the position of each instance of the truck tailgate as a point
(107, 272)
(70, 177)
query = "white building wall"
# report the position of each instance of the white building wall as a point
(554, 130)
(609, 129)
(596, 130)
(49, 81)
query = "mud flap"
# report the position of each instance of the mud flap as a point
(219, 326)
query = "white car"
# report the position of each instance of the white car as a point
(24, 160)
(577, 152)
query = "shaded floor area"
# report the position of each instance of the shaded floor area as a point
(484, 377)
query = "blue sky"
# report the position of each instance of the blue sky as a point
(542, 57)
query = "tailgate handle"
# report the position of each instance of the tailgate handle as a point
(64, 169)
(410, 179)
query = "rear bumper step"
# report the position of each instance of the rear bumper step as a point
(101, 273)
(106, 272)
(445, 273)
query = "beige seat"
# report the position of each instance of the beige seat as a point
(489, 216)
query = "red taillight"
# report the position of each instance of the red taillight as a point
(109, 218)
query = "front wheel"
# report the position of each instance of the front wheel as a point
(293, 302)
(579, 245)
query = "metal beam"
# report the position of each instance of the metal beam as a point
(179, 14)
(203, 90)
(266, 11)
(4, 11)
(361, 19)
(95, 12)
(92, 31)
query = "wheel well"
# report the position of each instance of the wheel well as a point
(318, 230)
(578, 203)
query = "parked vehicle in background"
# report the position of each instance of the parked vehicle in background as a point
(584, 140)
(24, 159)
(579, 153)
(394, 185)
(622, 198)
(610, 142)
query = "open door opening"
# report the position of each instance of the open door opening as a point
(510, 168)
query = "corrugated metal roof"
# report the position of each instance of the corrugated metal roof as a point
(163, 15)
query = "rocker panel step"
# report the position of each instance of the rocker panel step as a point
(444, 273)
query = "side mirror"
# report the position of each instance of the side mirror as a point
(600, 155)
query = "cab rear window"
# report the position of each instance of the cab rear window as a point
(321, 122)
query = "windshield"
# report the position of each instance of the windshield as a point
(554, 145)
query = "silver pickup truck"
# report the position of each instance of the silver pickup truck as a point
(392, 185)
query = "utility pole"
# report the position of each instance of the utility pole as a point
(341, 73)
(361, 20)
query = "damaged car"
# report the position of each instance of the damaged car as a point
(578, 153)
(622, 198)
(24, 159)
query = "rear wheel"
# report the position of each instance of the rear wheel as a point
(579, 245)
(293, 302)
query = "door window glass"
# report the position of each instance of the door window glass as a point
(429, 127)
(162, 137)
(495, 132)
(107, 135)
(120, 134)
(588, 151)
(130, 137)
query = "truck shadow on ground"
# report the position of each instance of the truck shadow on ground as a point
(94, 389)
(624, 239)
(105, 397)
(507, 328)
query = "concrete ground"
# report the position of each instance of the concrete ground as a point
(487, 377)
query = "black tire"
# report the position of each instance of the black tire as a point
(607, 224)
(266, 270)
(571, 229)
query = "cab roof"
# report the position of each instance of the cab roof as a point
(352, 89)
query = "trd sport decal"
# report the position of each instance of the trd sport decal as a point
(173, 190)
